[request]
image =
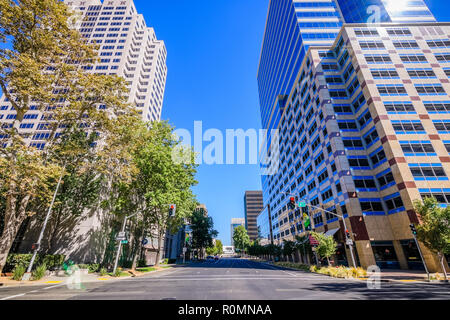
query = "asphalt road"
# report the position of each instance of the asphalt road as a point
(229, 279)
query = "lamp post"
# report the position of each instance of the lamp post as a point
(37, 245)
(120, 242)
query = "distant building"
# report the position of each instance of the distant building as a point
(236, 222)
(264, 226)
(174, 243)
(253, 204)
(228, 250)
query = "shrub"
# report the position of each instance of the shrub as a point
(166, 261)
(313, 268)
(103, 272)
(142, 263)
(39, 273)
(118, 272)
(18, 272)
(51, 261)
(54, 261)
(93, 267)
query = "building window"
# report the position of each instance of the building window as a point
(428, 171)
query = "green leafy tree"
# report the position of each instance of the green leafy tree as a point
(219, 247)
(203, 231)
(327, 245)
(289, 248)
(303, 245)
(434, 228)
(211, 251)
(240, 238)
(158, 181)
(38, 46)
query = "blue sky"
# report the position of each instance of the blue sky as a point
(213, 53)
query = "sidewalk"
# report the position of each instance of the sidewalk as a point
(407, 276)
(84, 278)
(399, 276)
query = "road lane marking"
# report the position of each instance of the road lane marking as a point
(289, 290)
(12, 297)
(52, 282)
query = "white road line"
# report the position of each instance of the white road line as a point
(12, 297)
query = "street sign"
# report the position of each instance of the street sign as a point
(144, 241)
(302, 204)
(121, 234)
(349, 242)
(124, 241)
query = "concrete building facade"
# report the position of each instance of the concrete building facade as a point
(253, 204)
(128, 48)
(236, 222)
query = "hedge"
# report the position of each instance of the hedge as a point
(52, 262)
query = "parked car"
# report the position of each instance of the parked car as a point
(208, 258)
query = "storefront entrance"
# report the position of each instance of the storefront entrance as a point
(412, 254)
(385, 256)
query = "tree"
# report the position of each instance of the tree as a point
(157, 182)
(288, 248)
(40, 59)
(434, 228)
(203, 231)
(211, 251)
(219, 246)
(303, 245)
(240, 238)
(327, 245)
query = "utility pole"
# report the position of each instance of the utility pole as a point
(120, 242)
(414, 232)
(37, 245)
(350, 243)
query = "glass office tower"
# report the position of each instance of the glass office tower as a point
(350, 122)
(363, 11)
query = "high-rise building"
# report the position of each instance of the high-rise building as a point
(362, 126)
(253, 204)
(264, 225)
(370, 11)
(236, 222)
(128, 48)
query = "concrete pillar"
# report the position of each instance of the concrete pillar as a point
(365, 253)
(400, 255)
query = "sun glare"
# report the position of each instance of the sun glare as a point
(395, 5)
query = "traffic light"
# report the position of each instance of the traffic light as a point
(347, 234)
(413, 229)
(291, 203)
(172, 210)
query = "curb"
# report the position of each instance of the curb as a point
(403, 281)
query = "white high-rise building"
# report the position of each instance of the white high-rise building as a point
(128, 48)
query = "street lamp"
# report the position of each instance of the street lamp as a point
(120, 242)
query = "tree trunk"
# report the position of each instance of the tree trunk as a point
(158, 252)
(9, 233)
(441, 259)
(137, 254)
(328, 260)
